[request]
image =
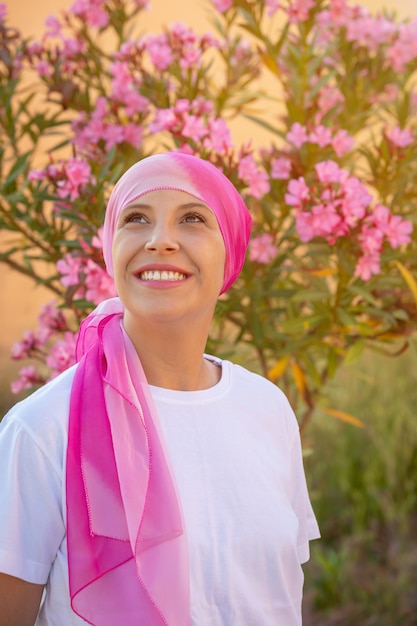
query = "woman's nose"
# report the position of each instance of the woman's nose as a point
(161, 239)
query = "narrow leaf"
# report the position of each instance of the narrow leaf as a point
(278, 369)
(345, 417)
(409, 278)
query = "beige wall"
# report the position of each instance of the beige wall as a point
(21, 300)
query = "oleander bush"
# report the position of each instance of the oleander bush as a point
(331, 186)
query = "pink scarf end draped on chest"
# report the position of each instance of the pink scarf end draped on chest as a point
(127, 549)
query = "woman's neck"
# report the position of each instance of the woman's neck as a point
(172, 355)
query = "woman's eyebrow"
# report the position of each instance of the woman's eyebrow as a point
(136, 205)
(187, 205)
(193, 205)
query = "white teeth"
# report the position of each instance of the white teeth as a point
(163, 275)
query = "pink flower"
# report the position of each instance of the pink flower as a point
(36, 175)
(165, 119)
(133, 134)
(218, 138)
(194, 127)
(259, 184)
(70, 267)
(222, 5)
(371, 240)
(100, 285)
(96, 16)
(26, 347)
(262, 249)
(326, 222)
(304, 222)
(281, 168)
(299, 10)
(400, 138)
(78, 172)
(134, 102)
(97, 240)
(321, 135)
(73, 47)
(54, 26)
(191, 57)
(297, 135)
(355, 200)
(329, 172)
(62, 354)
(329, 97)
(253, 176)
(113, 135)
(272, 6)
(398, 231)
(3, 12)
(160, 52)
(342, 142)
(380, 216)
(52, 318)
(370, 31)
(298, 192)
(44, 69)
(28, 377)
(91, 12)
(399, 55)
(368, 265)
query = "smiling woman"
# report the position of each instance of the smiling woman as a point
(168, 262)
(170, 485)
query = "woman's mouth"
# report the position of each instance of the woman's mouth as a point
(161, 275)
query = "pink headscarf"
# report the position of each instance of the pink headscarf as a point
(175, 170)
(127, 550)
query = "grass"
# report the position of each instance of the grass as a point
(363, 483)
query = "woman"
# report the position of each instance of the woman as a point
(157, 485)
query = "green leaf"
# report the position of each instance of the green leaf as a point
(354, 352)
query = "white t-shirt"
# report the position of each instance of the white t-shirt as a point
(236, 455)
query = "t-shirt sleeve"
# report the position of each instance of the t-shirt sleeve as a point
(31, 520)
(308, 528)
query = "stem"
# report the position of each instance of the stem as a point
(306, 419)
(30, 274)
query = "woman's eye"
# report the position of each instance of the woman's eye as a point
(193, 217)
(135, 218)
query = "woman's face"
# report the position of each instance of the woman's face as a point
(168, 257)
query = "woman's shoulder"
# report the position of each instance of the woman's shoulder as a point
(45, 411)
(253, 394)
(253, 381)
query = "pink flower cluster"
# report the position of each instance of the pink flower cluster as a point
(340, 141)
(28, 378)
(91, 11)
(253, 176)
(372, 32)
(178, 45)
(222, 5)
(193, 122)
(336, 205)
(89, 278)
(52, 341)
(103, 129)
(399, 137)
(94, 13)
(70, 177)
(262, 249)
(58, 56)
(297, 10)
